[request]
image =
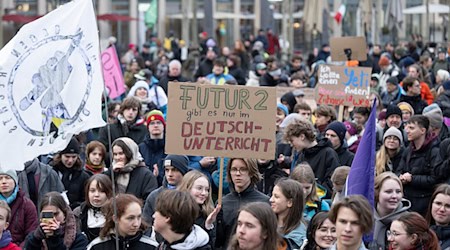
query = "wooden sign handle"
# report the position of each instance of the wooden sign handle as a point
(341, 113)
(219, 200)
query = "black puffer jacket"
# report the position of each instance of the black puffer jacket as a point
(415, 101)
(345, 156)
(75, 184)
(421, 164)
(136, 242)
(228, 214)
(443, 234)
(323, 160)
(152, 150)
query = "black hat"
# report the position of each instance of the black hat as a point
(393, 110)
(72, 148)
(392, 80)
(339, 128)
(180, 162)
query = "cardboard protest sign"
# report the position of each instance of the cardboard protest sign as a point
(221, 120)
(340, 45)
(339, 85)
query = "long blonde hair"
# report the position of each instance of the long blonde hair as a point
(186, 185)
(382, 160)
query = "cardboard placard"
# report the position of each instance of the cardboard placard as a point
(357, 44)
(221, 120)
(340, 85)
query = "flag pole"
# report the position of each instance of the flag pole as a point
(108, 127)
(219, 199)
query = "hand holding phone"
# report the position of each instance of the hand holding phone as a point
(47, 221)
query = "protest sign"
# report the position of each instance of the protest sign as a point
(339, 85)
(342, 47)
(112, 73)
(224, 121)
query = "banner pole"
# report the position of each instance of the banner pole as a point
(219, 200)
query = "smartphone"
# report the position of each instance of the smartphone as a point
(46, 217)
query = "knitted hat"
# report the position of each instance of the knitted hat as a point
(384, 61)
(351, 128)
(180, 162)
(155, 115)
(11, 173)
(72, 148)
(382, 115)
(434, 113)
(261, 66)
(393, 110)
(392, 80)
(395, 132)
(404, 106)
(139, 84)
(339, 128)
(283, 108)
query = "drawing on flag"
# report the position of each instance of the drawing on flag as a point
(50, 84)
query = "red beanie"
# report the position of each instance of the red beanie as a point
(155, 115)
(384, 61)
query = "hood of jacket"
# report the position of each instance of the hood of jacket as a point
(321, 143)
(134, 148)
(383, 223)
(196, 238)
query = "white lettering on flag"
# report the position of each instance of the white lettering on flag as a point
(50, 84)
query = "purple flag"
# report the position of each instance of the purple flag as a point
(360, 180)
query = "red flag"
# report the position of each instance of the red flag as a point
(340, 14)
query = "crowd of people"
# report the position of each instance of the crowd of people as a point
(294, 201)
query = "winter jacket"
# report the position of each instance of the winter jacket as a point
(75, 185)
(200, 221)
(390, 98)
(226, 219)
(65, 238)
(345, 156)
(136, 131)
(296, 236)
(238, 74)
(311, 208)
(270, 174)
(268, 81)
(204, 68)
(24, 218)
(421, 163)
(334, 247)
(6, 242)
(164, 82)
(253, 79)
(443, 101)
(197, 239)
(150, 203)
(443, 234)
(136, 242)
(45, 180)
(382, 224)
(219, 79)
(142, 182)
(415, 101)
(152, 150)
(81, 216)
(323, 160)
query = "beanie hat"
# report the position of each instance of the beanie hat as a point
(11, 173)
(72, 148)
(404, 106)
(289, 98)
(392, 80)
(138, 85)
(443, 74)
(382, 115)
(351, 128)
(408, 61)
(179, 162)
(395, 132)
(339, 128)
(384, 61)
(446, 85)
(283, 108)
(434, 113)
(400, 51)
(393, 110)
(155, 115)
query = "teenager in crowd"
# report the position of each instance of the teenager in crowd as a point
(129, 229)
(95, 158)
(390, 153)
(60, 232)
(23, 212)
(5, 235)
(321, 233)
(89, 215)
(389, 205)
(411, 231)
(256, 229)
(338, 178)
(174, 218)
(438, 216)
(287, 203)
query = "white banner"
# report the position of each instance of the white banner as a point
(50, 84)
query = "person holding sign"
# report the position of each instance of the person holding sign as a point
(318, 153)
(243, 175)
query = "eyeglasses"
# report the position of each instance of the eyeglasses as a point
(240, 170)
(440, 205)
(390, 233)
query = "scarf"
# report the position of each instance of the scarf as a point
(126, 125)
(12, 197)
(96, 169)
(6, 239)
(123, 175)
